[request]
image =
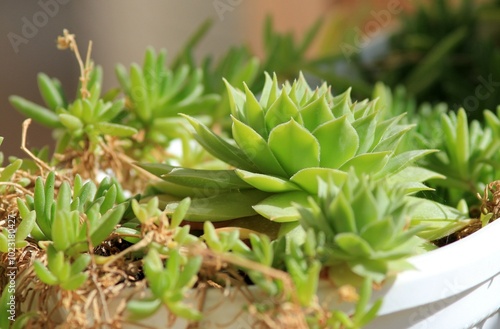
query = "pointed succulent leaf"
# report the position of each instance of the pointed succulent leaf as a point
(107, 224)
(307, 178)
(223, 206)
(338, 142)
(38, 113)
(281, 111)
(365, 206)
(140, 309)
(114, 129)
(353, 244)
(219, 148)
(316, 113)
(294, 147)
(374, 269)
(368, 163)
(365, 128)
(270, 91)
(253, 114)
(341, 208)
(342, 105)
(266, 183)
(215, 179)
(378, 234)
(279, 207)
(257, 149)
(402, 161)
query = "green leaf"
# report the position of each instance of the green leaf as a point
(70, 121)
(138, 92)
(279, 207)
(341, 208)
(338, 142)
(316, 113)
(75, 281)
(253, 113)
(368, 163)
(219, 148)
(223, 206)
(266, 183)
(107, 224)
(180, 212)
(462, 143)
(402, 161)
(281, 111)
(7, 172)
(295, 148)
(26, 226)
(38, 113)
(307, 178)
(50, 92)
(114, 129)
(44, 274)
(218, 180)
(256, 148)
(140, 309)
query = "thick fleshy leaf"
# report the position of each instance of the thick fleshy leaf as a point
(270, 92)
(342, 105)
(222, 207)
(402, 161)
(392, 138)
(219, 148)
(114, 129)
(279, 207)
(340, 209)
(307, 178)
(365, 207)
(254, 114)
(236, 100)
(462, 148)
(374, 269)
(266, 183)
(315, 113)
(365, 128)
(353, 245)
(379, 233)
(257, 149)
(217, 179)
(368, 163)
(281, 111)
(294, 147)
(338, 141)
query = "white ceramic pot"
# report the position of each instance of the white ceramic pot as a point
(454, 287)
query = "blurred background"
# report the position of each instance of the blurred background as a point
(439, 50)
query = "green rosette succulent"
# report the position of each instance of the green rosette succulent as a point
(365, 226)
(282, 142)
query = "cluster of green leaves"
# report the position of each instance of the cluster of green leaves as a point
(375, 233)
(156, 94)
(65, 226)
(168, 282)
(282, 143)
(80, 124)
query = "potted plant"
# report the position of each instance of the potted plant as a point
(302, 212)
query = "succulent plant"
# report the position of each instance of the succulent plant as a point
(156, 94)
(366, 225)
(282, 143)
